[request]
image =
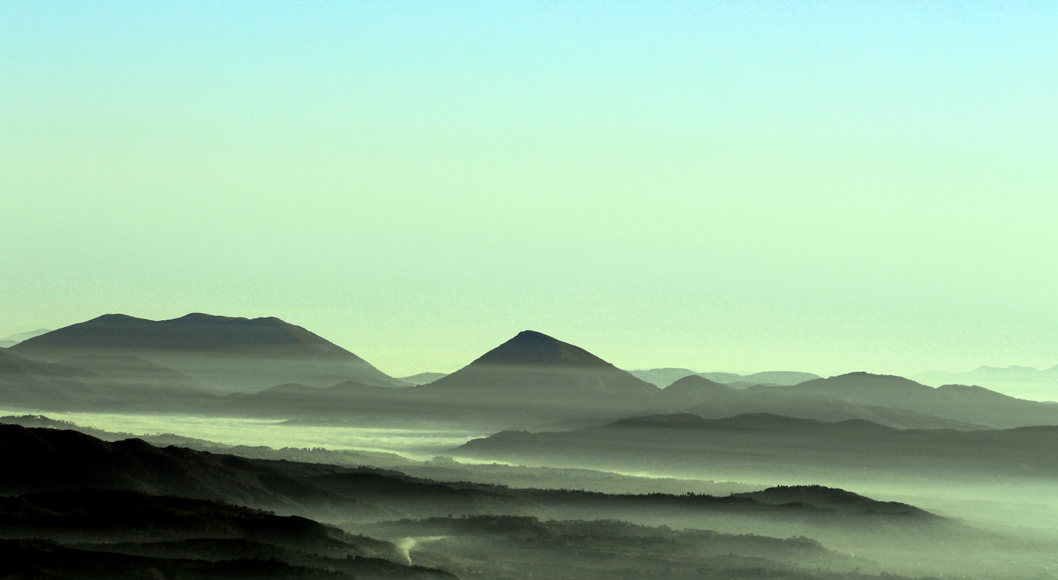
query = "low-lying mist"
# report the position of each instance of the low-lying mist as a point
(413, 443)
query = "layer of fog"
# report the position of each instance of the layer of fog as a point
(1024, 508)
(412, 443)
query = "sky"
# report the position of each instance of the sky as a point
(723, 186)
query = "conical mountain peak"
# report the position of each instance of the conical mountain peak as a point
(540, 370)
(531, 348)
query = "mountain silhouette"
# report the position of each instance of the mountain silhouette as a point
(662, 377)
(17, 338)
(713, 400)
(694, 389)
(971, 405)
(193, 332)
(666, 376)
(764, 422)
(422, 378)
(534, 348)
(223, 352)
(535, 368)
(1021, 380)
(861, 387)
(788, 378)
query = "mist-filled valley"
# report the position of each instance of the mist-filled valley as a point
(499, 290)
(219, 447)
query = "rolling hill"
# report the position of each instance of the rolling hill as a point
(765, 447)
(229, 354)
(968, 404)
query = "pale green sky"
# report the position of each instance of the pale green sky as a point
(735, 186)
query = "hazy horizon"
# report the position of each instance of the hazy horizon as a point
(732, 187)
(1039, 388)
(859, 191)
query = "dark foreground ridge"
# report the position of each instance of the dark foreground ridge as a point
(91, 504)
(110, 534)
(41, 459)
(830, 498)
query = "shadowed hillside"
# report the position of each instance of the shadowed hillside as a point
(529, 548)
(507, 533)
(41, 459)
(82, 532)
(125, 384)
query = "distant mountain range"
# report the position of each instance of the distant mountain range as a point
(12, 340)
(766, 447)
(422, 378)
(1028, 381)
(968, 404)
(221, 353)
(887, 400)
(534, 381)
(666, 376)
(528, 380)
(97, 504)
